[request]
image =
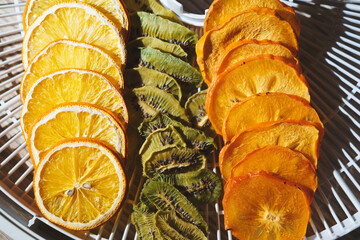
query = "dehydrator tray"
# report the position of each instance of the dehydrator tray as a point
(330, 57)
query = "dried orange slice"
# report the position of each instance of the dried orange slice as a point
(282, 163)
(68, 86)
(267, 107)
(299, 136)
(239, 51)
(261, 207)
(79, 184)
(66, 54)
(73, 21)
(221, 11)
(112, 9)
(258, 24)
(75, 120)
(258, 75)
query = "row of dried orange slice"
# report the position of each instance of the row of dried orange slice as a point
(258, 100)
(74, 116)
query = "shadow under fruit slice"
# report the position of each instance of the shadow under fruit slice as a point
(141, 76)
(155, 43)
(173, 160)
(57, 22)
(144, 222)
(152, 6)
(282, 163)
(112, 9)
(194, 138)
(221, 11)
(167, 63)
(299, 136)
(145, 24)
(75, 120)
(240, 51)
(267, 107)
(258, 206)
(152, 101)
(172, 227)
(166, 198)
(68, 86)
(159, 140)
(258, 24)
(79, 184)
(66, 54)
(258, 75)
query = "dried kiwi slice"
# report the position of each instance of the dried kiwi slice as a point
(160, 140)
(152, 6)
(173, 66)
(195, 109)
(173, 160)
(194, 138)
(145, 24)
(158, 44)
(202, 186)
(144, 222)
(141, 76)
(172, 227)
(151, 100)
(166, 197)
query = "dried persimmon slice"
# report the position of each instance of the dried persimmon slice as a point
(299, 136)
(282, 163)
(258, 206)
(267, 107)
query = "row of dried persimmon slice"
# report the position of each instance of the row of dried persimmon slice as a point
(259, 101)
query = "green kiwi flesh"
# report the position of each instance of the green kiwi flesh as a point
(141, 76)
(152, 6)
(195, 109)
(173, 66)
(144, 222)
(158, 44)
(161, 139)
(173, 160)
(202, 186)
(194, 138)
(172, 227)
(166, 198)
(145, 24)
(151, 100)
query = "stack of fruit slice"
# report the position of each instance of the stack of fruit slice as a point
(258, 100)
(164, 105)
(74, 116)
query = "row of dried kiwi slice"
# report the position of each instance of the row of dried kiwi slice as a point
(169, 113)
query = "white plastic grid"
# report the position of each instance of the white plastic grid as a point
(329, 53)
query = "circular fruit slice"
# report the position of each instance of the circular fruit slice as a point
(221, 11)
(75, 120)
(79, 184)
(258, 75)
(299, 136)
(282, 163)
(112, 9)
(239, 51)
(267, 107)
(258, 206)
(66, 54)
(258, 24)
(68, 86)
(73, 21)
